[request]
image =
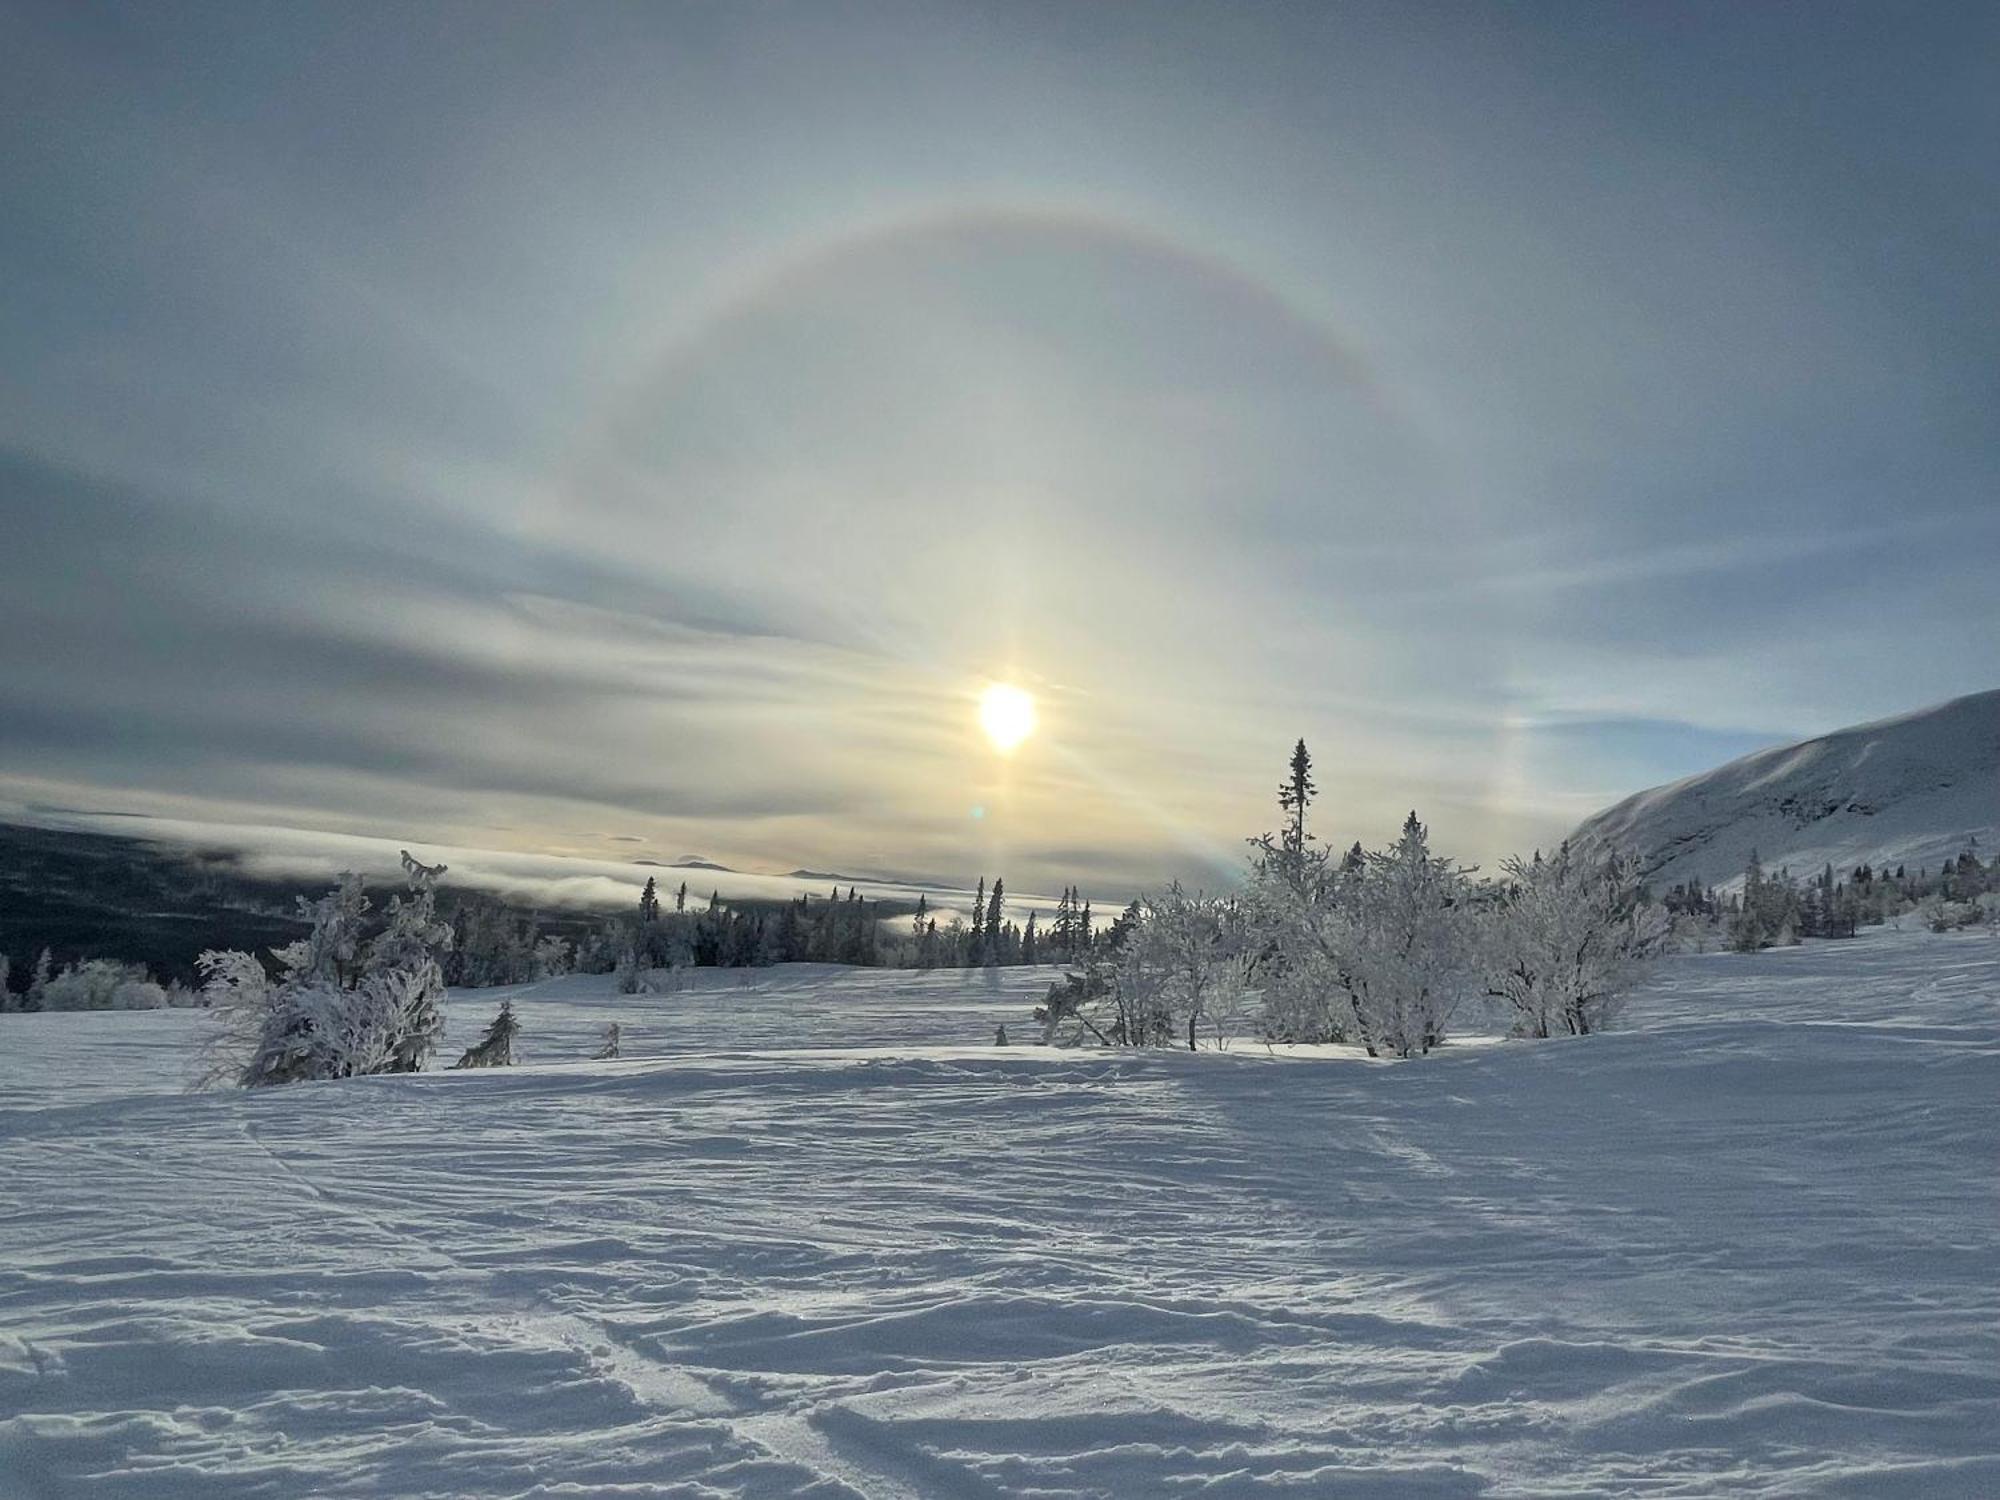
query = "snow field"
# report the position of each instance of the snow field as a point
(815, 1236)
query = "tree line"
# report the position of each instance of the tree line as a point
(1772, 909)
(1385, 949)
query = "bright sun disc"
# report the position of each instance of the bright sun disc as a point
(1007, 715)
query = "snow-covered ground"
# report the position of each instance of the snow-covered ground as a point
(816, 1236)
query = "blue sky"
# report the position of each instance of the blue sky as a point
(544, 427)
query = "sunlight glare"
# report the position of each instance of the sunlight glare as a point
(1007, 714)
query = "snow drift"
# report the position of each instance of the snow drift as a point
(814, 1237)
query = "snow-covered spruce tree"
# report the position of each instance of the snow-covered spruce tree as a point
(496, 1048)
(343, 1004)
(975, 941)
(609, 1049)
(1294, 797)
(406, 959)
(992, 953)
(1566, 938)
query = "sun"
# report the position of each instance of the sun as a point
(1007, 714)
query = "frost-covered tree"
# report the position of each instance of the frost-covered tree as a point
(1195, 951)
(38, 981)
(1299, 938)
(405, 959)
(1410, 959)
(608, 1049)
(343, 1003)
(1565, 940)
(1179, 969)
(552, 957)
(496, 1048)
(1372, 949)
(101, 984)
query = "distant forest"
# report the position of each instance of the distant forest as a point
(153, 909)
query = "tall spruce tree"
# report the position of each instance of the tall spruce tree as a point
(1294, 797)
(995, 906)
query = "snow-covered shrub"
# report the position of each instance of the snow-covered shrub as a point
(1406, 959)
(1179, 969)
(102, 984)
(344, 1003)
(1566, 939)
(1943, 915)
(1191, 964)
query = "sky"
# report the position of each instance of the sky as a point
(627, 431)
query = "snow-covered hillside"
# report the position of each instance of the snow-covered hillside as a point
(1909, 790)
(817, 1237)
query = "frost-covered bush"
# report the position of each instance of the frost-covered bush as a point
(1942, 915)
(1185, 968)
(1375, 949)
(344, 1002)
(1180, 969)
(101, 984)
(1565, 940)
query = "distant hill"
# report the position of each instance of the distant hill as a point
(1910, 790)
(88, 895)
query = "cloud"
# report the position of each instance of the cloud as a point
(446, 460)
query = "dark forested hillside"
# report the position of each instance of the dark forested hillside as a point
(86, 895)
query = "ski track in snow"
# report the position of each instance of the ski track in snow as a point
(1749, 1246)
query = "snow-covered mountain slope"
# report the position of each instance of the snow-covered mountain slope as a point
(815, 1237)
(1910, 790)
